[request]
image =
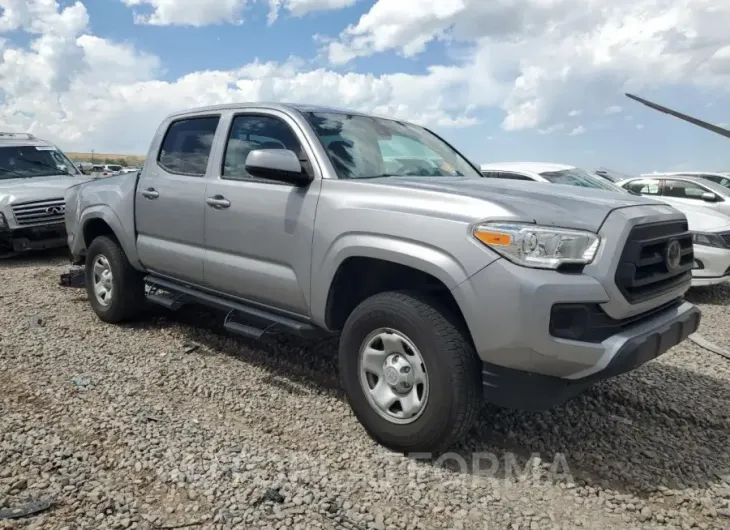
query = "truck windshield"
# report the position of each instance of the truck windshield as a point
(29, 161)
(368, 147)
(578, 177)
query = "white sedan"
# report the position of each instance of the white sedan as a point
(710, 233)
(546, 172)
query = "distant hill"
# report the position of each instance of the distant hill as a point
(108, 158)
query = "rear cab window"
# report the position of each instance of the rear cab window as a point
(187, 144)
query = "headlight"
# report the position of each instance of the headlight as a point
(3, 221)
(708, 240)
(541, 247)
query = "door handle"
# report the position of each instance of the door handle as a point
(150, 193)
(218, 202)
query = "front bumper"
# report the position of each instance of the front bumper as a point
(713, 266)
(508, 311)
(33, 238)
(529, 391)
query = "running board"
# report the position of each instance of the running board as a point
(167, 301)
(241, 328)
(242, 318)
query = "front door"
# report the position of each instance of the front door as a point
(258, 232)
(170, 200)
(685, 192)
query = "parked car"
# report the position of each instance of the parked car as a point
(711, 241)
(608, 174)
(544, 172)
(106, 170)
(444, 289)
(126, 170)
(114, 169)
(34, 174)
(681, 191)
(100, 171)
(722, 179)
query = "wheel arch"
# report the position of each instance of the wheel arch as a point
(101, 220)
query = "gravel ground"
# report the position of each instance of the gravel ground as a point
(171, 422)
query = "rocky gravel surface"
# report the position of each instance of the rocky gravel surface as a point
(172, 423)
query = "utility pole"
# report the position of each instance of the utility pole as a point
(92, 157)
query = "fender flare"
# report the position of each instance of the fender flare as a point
(428, 259)
(106, 214)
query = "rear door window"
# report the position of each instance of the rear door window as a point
(683, 189)
(187, 144)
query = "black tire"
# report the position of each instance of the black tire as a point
(453, 368)
(127, 300)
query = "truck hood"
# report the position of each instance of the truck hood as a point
(36, 188)
(544, 203)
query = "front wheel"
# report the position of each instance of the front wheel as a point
(410, 373)
(114, 287)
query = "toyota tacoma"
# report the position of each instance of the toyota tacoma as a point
(446, 288)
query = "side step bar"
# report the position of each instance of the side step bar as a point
(242, 318)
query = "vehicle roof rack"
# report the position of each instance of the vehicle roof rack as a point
(26, 136)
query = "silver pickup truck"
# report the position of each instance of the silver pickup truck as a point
(34, 176)
(446, 288)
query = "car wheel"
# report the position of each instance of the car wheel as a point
(409, 372)
(115, 288)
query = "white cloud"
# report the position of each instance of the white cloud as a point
(553, 128)
(85, 92)
(188, 12)
(299, 8)
(613, 109)
(639, 126)
(199, 13)
(603, 48)
(578, 130)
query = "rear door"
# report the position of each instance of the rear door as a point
(170, 199)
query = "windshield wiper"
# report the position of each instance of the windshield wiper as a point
(376, 176)
(51, 166)
(14, 172)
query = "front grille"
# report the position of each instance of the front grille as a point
(643, 272)
(49, 211)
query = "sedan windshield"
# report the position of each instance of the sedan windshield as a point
(579, 177)
(367, 147)
(30, 161)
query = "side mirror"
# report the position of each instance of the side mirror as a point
(708, 196)
(277, 164)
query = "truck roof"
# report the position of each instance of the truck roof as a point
(13, 139)
(284, 107)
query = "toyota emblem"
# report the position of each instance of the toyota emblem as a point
(55, 210)
(673, 255)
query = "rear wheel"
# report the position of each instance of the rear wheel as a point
(114, 287)
(410, 373)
